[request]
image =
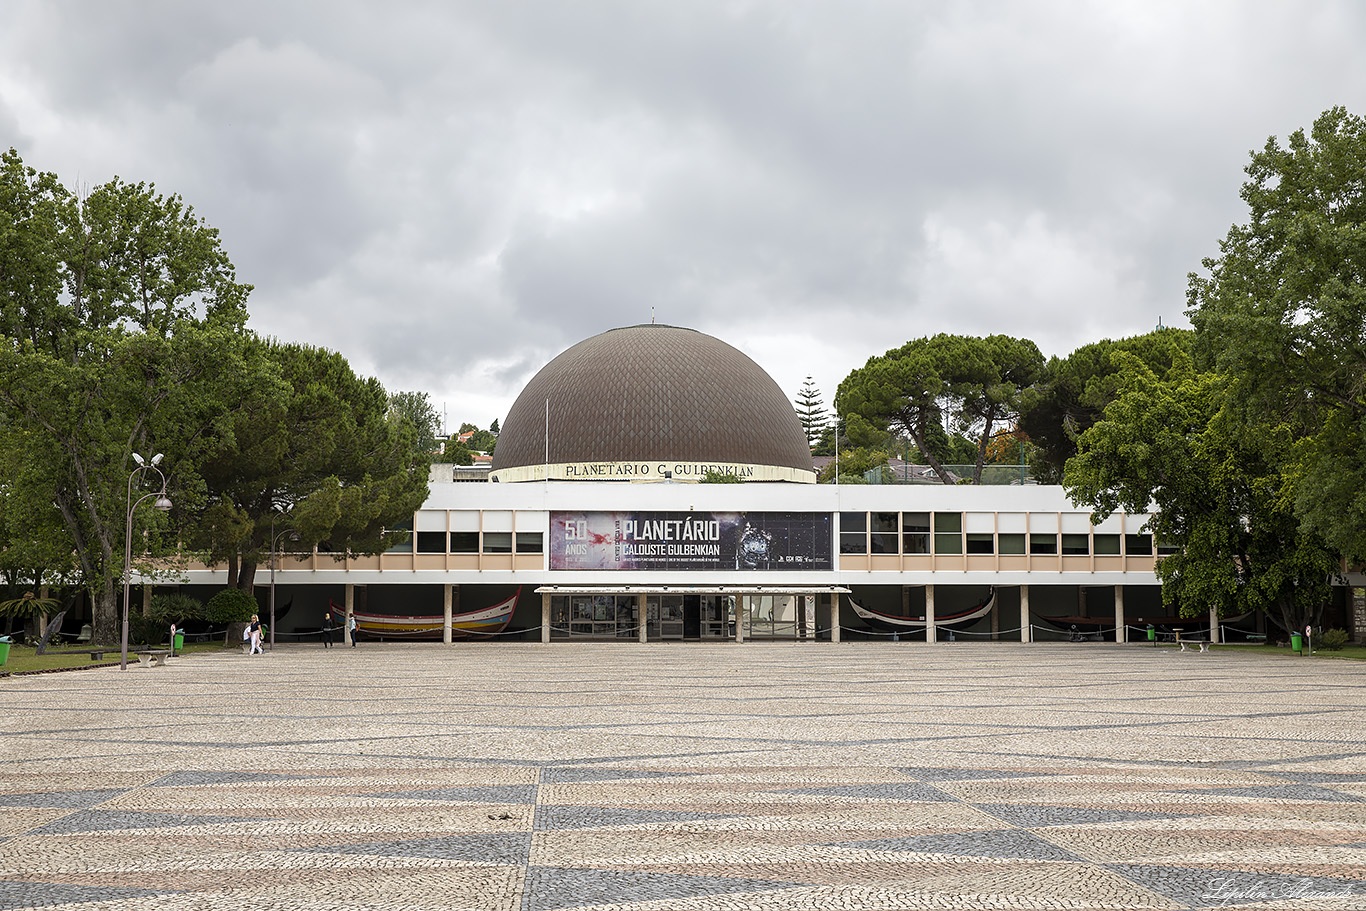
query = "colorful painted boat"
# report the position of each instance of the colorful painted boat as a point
(473, 624)
(903, 624)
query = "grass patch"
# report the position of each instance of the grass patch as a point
(22, 658)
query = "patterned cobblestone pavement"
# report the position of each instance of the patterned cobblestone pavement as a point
(688, 778)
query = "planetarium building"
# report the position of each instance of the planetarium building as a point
(599, 522)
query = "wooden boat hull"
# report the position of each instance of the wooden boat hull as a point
(473, 624)
(905, 624)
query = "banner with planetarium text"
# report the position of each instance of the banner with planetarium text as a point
(690, 540)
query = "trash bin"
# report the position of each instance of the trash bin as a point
(1152, 635)
(1297, 643)
(178, 642)
(4, 650)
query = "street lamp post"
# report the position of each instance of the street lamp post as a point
(162, 503)
(274, 540)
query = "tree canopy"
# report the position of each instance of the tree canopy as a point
(121, 318)
(122, 334)
(1073, 391)
(1170, 444)
(1282, 311)
(964, 384)
(321, 452)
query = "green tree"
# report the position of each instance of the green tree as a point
(493, 428)
(234, 607)
(416, 408)
(122, 321)
(481, 441)
(1282, 310)
(962, 384)
(321, 452)
(811, 412)
(1073, 392)
(457, 453)
(1170, 444)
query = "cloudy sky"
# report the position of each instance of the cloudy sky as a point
(451, 193)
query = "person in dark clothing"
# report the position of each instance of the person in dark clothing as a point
(327, 629)
(351, 625)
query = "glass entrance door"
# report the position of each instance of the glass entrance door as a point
(771, 616)
(664, 616)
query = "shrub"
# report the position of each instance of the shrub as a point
(231, 605)
(176, 608)
(1331, 640)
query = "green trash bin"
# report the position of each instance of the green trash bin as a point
(178, 643)
(4, 651)
(1297, 643)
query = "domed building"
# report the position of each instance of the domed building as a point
(652, 402)
(584, 553)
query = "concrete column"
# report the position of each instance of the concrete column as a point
(446, 614)
(1026, 634)
(350, 601)
(931, 630)
(1121, 631)
(834, 617)
(809, 609)
(741, 613)
(545, 617)
(640, 617)
(1214, 624)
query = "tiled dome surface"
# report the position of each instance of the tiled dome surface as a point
(643, 393)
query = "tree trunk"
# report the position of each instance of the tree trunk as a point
(233, 638)
(246, 577)
(107, 621)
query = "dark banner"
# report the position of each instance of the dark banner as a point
(690, 540)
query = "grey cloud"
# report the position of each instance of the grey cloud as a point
(450, 194)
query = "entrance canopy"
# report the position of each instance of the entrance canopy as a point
(691, 590)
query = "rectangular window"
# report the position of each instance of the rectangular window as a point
(853, 533)
(981, 543)
(884, 533)
(497, 542)
(1138, 545)
(1010, 544)
(1106, 545)
(431, 542)
(915, 532)
(529, 542)
(1076, 545)
(948, 532)
(1043, 544)
(464, 542)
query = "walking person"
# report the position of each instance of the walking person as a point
(351, 627)
(255, 630)
(327, 629)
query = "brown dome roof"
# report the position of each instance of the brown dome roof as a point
(652, 393)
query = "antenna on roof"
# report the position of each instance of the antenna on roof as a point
(652, 316)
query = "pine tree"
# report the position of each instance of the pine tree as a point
(811, 412)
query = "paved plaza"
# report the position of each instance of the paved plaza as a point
(621, 776)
